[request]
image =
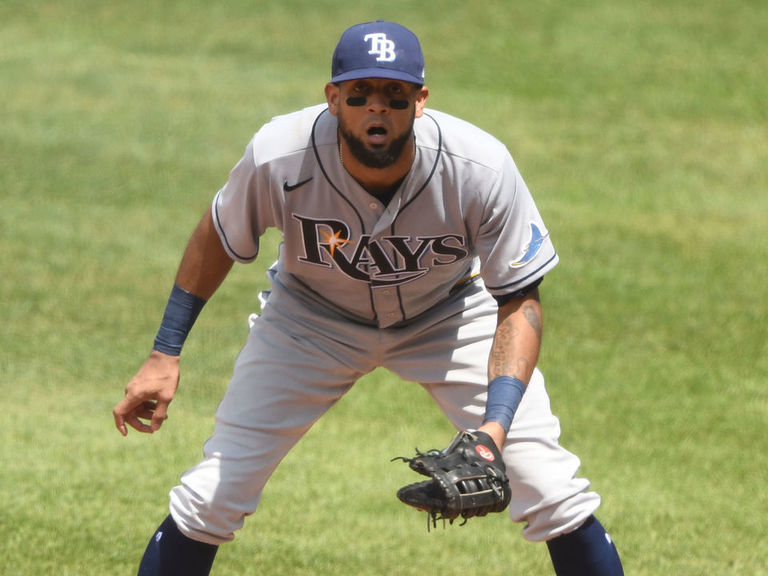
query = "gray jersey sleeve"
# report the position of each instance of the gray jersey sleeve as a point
(513, 244)
(241, 211)
(253, 199)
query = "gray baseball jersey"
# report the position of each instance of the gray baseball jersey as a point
(350, 264)
(462, 209)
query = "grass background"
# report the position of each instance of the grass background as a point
(641, 128)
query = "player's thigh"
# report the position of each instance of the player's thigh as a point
(547, 493)
(281, 384)
(283, 379)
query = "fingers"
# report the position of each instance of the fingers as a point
(120, 413)
(159, 415)
(134, 416)
(146, 410)
(137, 424)
(147, 396)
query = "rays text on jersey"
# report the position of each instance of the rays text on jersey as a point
(381, 261)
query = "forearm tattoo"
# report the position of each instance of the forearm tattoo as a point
(514, 352)
(534, 319)
(502, 351)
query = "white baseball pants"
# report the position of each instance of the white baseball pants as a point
(300, 359)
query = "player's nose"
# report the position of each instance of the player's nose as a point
(378, 102)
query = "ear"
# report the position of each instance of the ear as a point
(332, 97)
(421, 100)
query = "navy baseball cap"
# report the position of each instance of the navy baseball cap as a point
(378, 50)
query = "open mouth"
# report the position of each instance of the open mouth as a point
(377, 136)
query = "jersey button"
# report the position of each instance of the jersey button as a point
(373, 206)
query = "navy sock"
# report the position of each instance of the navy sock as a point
(170, 553)
(587, 551)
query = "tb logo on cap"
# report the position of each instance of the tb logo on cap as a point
(382, 46)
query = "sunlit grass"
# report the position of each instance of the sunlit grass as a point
(639, 127)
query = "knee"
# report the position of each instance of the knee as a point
(214, 519)
(550, 519)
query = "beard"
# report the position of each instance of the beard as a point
(379, 157)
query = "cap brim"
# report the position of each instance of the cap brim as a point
(377, 73)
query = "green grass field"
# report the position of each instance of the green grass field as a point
(641, 128)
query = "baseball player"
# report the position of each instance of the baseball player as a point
(410, 242)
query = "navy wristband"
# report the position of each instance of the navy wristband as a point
(180, 314)
(504, 396)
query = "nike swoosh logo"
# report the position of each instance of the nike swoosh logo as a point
(291, 187)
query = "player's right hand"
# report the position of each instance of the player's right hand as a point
(148, 394)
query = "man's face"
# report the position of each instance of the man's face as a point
(376, 117)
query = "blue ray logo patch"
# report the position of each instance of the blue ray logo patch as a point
(532, 248)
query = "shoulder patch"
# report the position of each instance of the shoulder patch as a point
(532, 248)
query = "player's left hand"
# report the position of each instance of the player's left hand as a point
(467, 479)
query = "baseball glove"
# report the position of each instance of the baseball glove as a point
(467, 479)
